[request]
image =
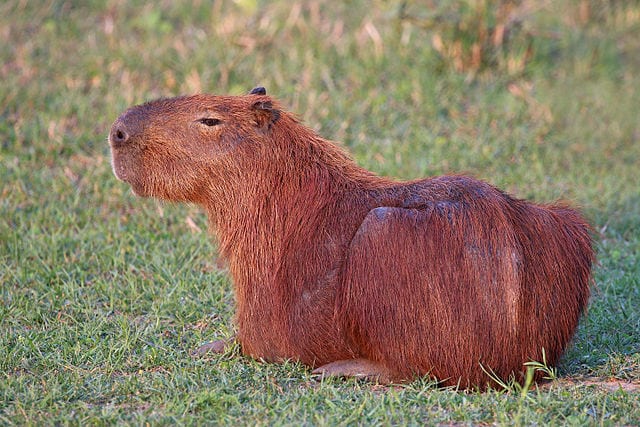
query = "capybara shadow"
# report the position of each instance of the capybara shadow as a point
(355, 274)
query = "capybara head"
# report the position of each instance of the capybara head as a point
(164, 148)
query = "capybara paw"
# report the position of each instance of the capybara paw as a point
(357, 368)
(217, 346)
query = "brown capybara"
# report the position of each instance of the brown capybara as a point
(351, 273)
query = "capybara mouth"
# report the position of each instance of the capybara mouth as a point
(118, 170)
(124, 167)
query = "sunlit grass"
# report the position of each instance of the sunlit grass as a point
(104, 295)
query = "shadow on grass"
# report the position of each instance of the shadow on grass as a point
(607, 342)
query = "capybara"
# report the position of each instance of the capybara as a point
(354, 274)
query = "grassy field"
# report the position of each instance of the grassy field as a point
(103, 295)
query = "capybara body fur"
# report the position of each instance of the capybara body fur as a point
(355, 274)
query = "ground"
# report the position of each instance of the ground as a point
(104, 295)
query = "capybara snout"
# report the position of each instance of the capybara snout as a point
(131, 124)
(119, 135)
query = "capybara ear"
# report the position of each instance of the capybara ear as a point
(259, 90)
(264, 113)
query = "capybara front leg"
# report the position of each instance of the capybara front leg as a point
(357, 368)
(217, 346)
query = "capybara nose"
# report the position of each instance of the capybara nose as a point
(119, 135)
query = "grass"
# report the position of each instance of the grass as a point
(104, 295)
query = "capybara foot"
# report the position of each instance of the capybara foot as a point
(217, 346)
(357, 368)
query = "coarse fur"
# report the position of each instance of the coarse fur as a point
(356, 274)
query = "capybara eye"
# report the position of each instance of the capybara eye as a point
(209, 121)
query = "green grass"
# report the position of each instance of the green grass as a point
(103, 295)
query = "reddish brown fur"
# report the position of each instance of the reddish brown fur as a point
(441, 276)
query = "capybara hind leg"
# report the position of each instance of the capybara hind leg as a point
(217, 346)
(358, 368)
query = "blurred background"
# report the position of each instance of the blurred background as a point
(539, 97)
